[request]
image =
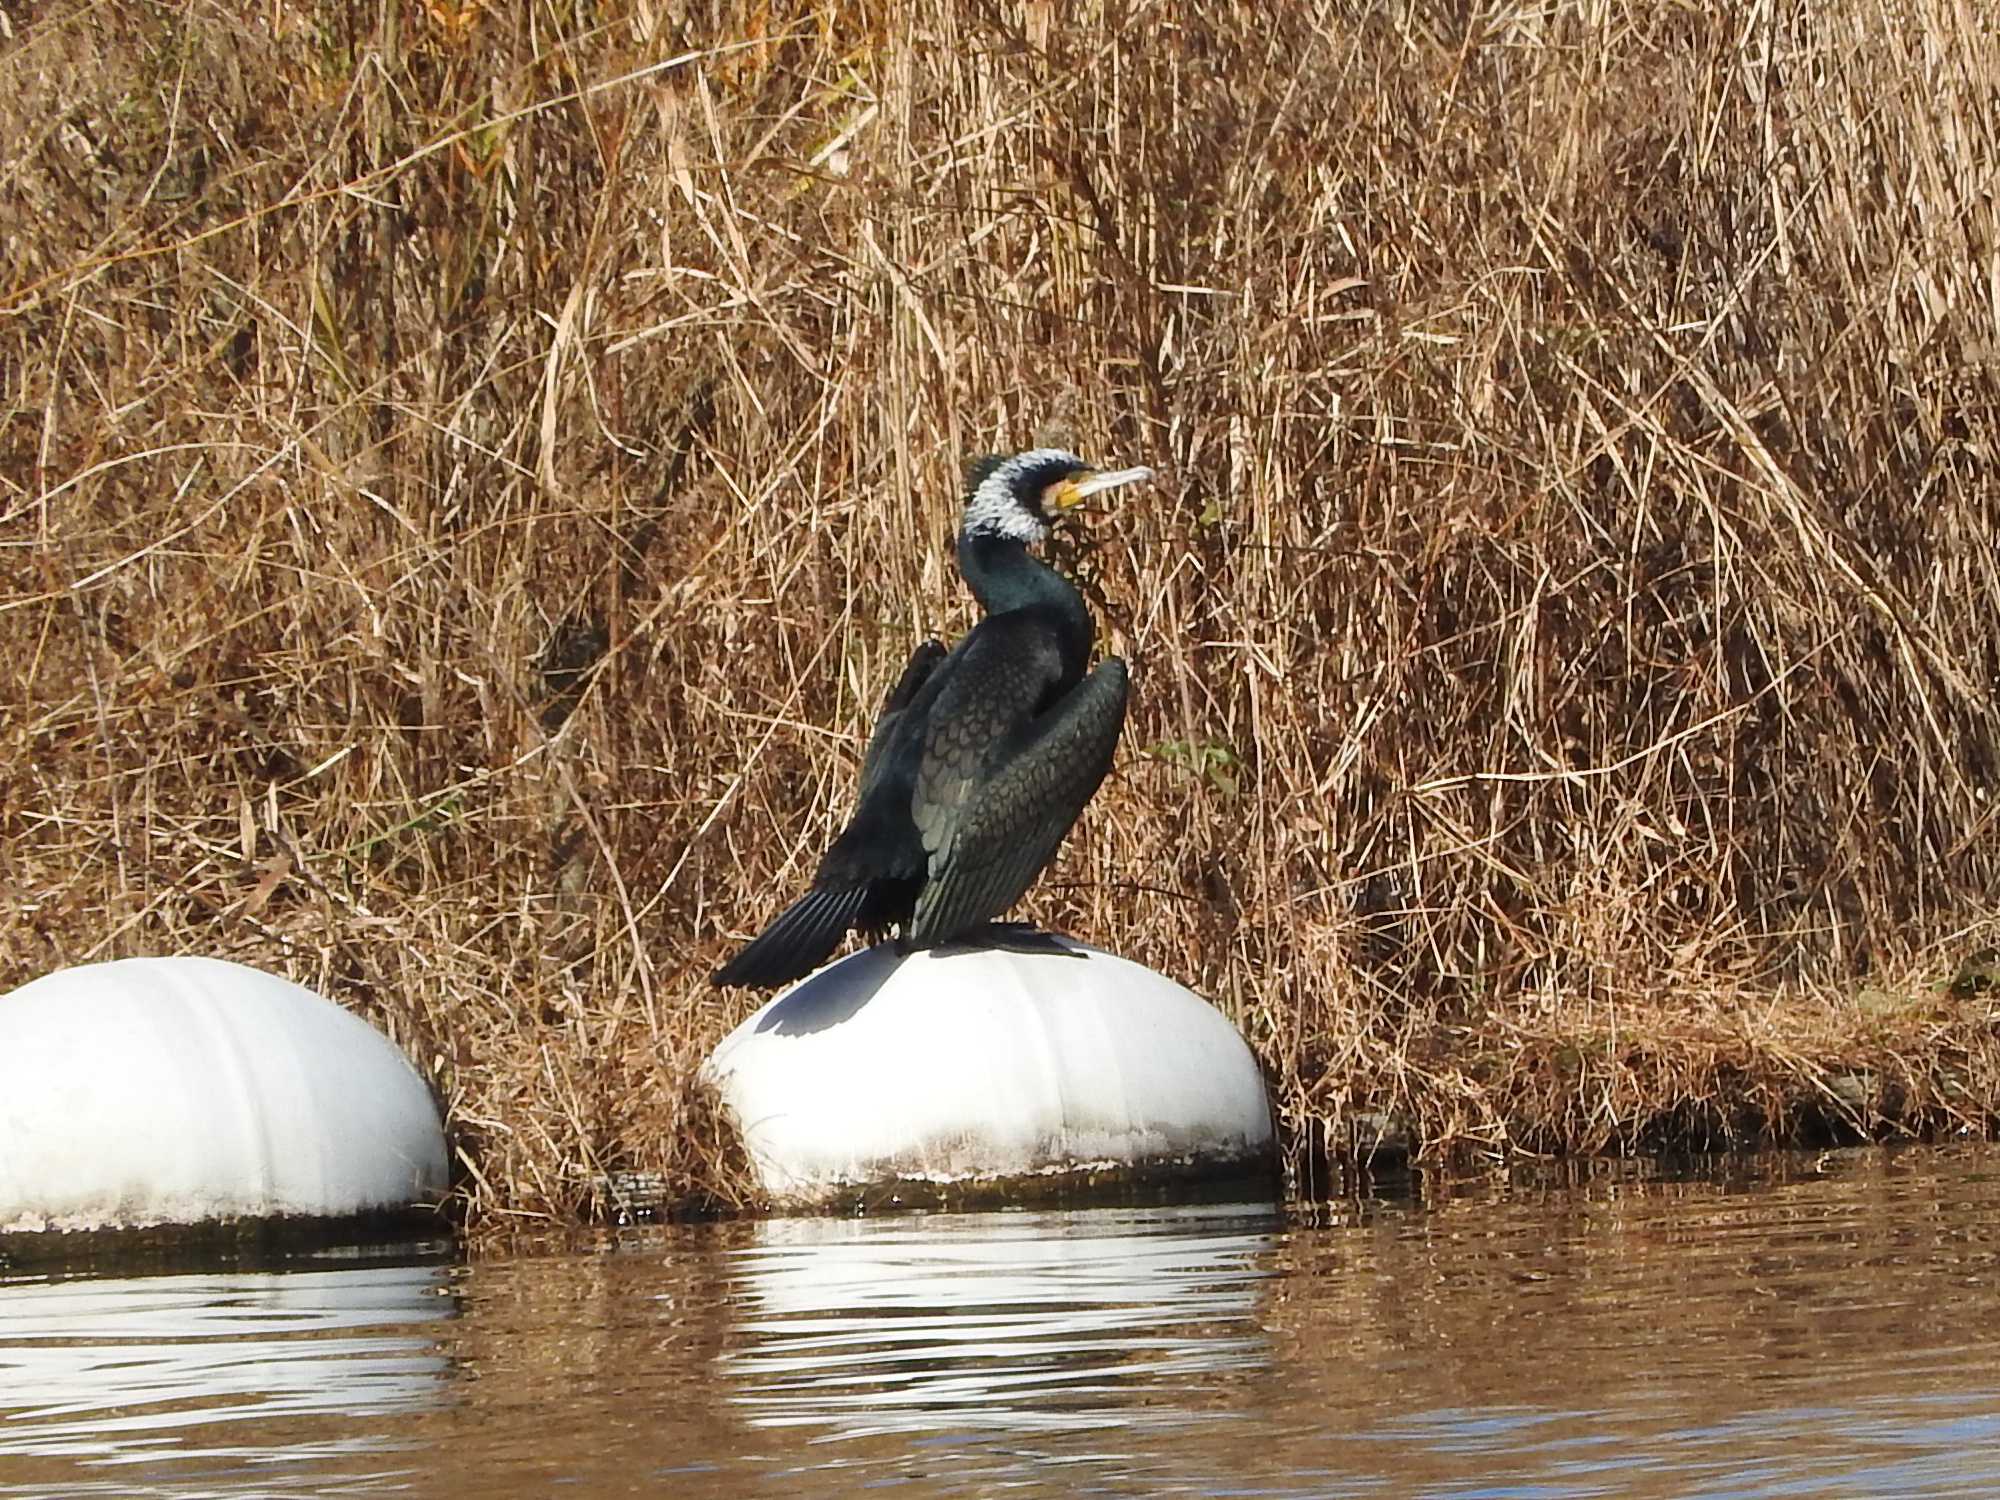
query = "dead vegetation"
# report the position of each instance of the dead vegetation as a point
(467, 470)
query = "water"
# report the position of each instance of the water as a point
(1792, 1326)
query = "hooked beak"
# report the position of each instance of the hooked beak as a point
(1073, 491)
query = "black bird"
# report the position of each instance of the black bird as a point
(983, 756)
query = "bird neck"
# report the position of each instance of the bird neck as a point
(1003, 575)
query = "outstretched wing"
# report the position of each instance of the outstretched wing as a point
(849, 889)
(990, 691)
(923, 661)
(799, 940)
(1013, 815)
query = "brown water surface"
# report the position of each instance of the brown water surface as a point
(1783, 1326)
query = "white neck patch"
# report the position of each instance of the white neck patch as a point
(997, 508)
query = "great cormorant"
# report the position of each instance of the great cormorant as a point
(983, 756)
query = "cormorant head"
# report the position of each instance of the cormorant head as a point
(1017, 497)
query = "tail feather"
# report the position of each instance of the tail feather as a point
(797, 942)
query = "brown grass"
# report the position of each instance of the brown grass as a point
(467, 471)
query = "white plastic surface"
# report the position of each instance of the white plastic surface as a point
(181, 1090)
(967, 1064)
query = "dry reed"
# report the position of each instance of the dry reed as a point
(467, 470)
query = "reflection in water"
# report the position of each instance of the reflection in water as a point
(137, 1371)
(1812, 1325)
(1794, 1326)
(1030, 1322)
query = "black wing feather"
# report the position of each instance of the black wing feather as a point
(799, 941)
(850, 890)
(1014, 817)
(997, 682)
(922, 663)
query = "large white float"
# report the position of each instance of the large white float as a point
(1035, 1064)
(183, 1091)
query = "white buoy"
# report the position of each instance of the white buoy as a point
(1043, 1059)
(159, 1091)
